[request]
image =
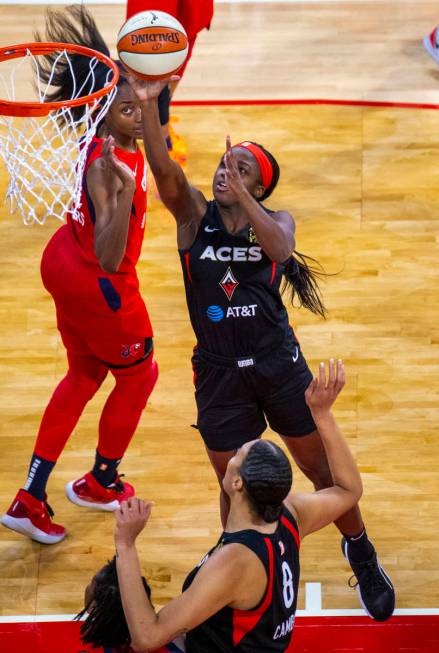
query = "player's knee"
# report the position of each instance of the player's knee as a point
(319, 474)
(137, 383)
(80, 389)
(85, 385)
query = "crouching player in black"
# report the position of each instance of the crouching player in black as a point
(242, 596)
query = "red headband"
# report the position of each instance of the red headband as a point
(262, 159)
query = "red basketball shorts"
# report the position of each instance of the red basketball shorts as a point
(97, 314)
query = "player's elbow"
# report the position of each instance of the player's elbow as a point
(283, 254)
(146, 642)
(349, 494)
(284, 247)
(140, 645)
(108, 265)
(108, 262)
(355, 491)
(358, 490)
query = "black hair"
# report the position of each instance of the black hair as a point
(73, 25)
(299, 276)
(267, 476)
(302, 280)
(105, 624)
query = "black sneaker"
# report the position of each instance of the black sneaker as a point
(374, 587)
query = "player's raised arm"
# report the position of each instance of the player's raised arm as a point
(316, 510)
(213, 588)
(186, 203)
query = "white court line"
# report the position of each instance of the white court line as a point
(313, 597)
(313, 608)
(401, 612)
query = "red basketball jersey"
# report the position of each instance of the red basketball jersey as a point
(82, 229)
(195, 15)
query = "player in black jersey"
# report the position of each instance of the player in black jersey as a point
(249, 368)
(242, 596)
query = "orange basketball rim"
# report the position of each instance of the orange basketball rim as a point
(16, 108)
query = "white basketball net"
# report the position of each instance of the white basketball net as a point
(45, 156)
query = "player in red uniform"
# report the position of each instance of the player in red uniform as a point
(89, 269)
(242, 596)
(195, 16)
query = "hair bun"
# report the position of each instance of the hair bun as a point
(272, 512)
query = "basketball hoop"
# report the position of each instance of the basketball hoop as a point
(43, 143)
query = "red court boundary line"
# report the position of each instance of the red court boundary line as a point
(274, 102)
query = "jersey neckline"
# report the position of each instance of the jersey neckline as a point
(118, 149)
(236, 234)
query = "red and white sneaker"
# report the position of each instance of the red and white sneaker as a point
(33, 518)
(431, 44)
(87, 492)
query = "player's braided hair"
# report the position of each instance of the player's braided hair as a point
(267, 476)
(302, 280)
(73, 25)
(300, 277)
(105, 624)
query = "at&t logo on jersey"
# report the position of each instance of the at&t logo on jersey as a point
(216, 313)
(225, 254)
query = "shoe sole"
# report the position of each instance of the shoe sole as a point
(431, 51)
(73, 497)
(24, 526)
(385, 576)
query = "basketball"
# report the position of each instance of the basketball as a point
(152, 45)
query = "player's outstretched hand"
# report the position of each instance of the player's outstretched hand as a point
(233, 177)
(322, 392)
(115, 165)
(147, 89)
(131, 518)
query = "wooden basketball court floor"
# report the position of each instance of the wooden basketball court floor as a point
(363, 185)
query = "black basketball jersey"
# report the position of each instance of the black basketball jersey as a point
(269, 626)
(232, 291)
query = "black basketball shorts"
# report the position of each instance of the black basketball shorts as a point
(237, 397)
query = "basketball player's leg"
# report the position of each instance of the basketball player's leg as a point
(134, 381)
(228, 415)
(288, 414)
(219, 460)
(124, 406)
(29, 513)
(84, 377)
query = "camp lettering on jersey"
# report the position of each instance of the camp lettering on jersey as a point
(269, 626)
(83, 228)
(232, 290)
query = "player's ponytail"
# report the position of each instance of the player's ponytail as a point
(77, 26)
(267, 477)
(301, 279)
(105, 624)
